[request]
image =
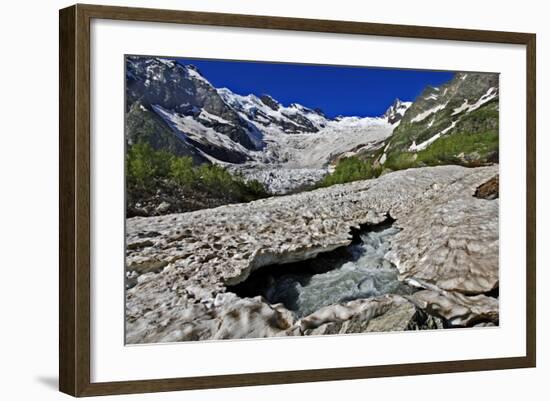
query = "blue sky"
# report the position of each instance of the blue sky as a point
(337, 90)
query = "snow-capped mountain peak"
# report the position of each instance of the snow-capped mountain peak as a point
(270, 102)
(257, 134)
(267, 112)
(396, 111)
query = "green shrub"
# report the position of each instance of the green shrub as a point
(143, 164)
(146, 166)
(348, 170)
(216, 179)
(182, 171)
(446, 150)
(401, 161)
(451, 149)
(254, 189)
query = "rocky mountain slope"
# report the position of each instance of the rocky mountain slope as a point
(287, 148)
(396, 111)
(184, 270)
(466, 105)
(183, 90)
(174, 107)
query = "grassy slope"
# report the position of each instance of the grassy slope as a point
(473, 142)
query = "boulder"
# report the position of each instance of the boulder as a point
(458, 309)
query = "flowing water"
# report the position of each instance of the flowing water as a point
(356, 271)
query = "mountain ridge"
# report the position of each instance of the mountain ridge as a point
(254, 135)
(467, 104)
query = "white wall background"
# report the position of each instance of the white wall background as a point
(29, 184)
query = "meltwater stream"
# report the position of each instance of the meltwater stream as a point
(355, 271)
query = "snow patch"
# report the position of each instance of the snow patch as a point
(252, 108)
(424, 114)
(187, 127)
(196, 75)
(212, 117)
(486, 97)
(489, 95)
(167, 62)
(461, 108)
(415, 148)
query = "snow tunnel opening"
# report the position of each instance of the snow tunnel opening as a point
(358, 270)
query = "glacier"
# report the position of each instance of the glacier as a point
(285, 162)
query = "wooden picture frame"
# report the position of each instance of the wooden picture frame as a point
(74, 202)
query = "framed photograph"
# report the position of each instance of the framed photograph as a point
(250, 200)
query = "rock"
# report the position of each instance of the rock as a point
(458, 309)
(424, 321)
(325, 329)
(270, 102)
(395, 112)
(488, 190)
(485, 324)
(448, 238)
(163, 207)
(398, 318)
(383, 314)
(361, 310)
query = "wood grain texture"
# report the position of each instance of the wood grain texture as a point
(531, 229)
(67, 131)
(74, 199)
(300, 24)
(82, 181)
